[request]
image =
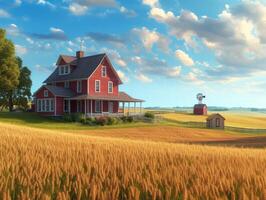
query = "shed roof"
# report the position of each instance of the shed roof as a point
(122, 96)
(85, 67)
(212, 116)
(58, 91)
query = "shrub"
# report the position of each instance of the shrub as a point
(149, 115)
(101, 120)
(67, 118)
(126, 119)
(130, 119)
(111, 120)
(77, 117)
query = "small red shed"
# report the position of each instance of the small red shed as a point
(200, 109)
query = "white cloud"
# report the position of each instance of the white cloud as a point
(13, 29)
(115, 56)
(237, 37)
(151, 37)
(184, 58)
(127, 12)
(56, 30)
(77, 9)
(4, 14)
(17, 2)
(29, 40)
(46, 3)
(143, 78)
(122, 75)
(70, 50)
(156, 67)
(20, 50)
(151, 3)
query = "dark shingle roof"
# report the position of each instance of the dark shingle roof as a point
(85, 66)
(60, 91)
(122, 96)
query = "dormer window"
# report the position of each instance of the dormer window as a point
(104, 71)
(64, 69)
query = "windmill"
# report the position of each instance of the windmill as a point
(200, 97)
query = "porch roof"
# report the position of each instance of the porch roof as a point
(122, 97)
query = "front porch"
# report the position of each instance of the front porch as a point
(96, 106)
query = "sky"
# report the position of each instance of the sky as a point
(165, 51)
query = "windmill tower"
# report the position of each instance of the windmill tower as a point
(200, 108)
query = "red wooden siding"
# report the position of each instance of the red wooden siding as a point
(59, 105)
(110, 76)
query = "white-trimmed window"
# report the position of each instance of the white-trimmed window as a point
(66, 84)
(45, 93)
(64, 69)
(104, 71)
(97, 85)
(97, 106)
(110, 87)
(79, 86)
(39, 106)
(45, 105)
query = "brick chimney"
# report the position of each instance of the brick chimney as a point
(79, 54)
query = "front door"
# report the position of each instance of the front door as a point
(110, 107)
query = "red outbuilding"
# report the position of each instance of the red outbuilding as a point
(200, 109)
(88, 85)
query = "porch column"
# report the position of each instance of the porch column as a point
(85, 107)
(54, 106)
(128, 108)
(134, 107)
(91, 107)
(140, 107)
(102, 106)
(123, 108)
(69, 107)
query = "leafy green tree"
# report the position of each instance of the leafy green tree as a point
(22, 94)
(9, 70)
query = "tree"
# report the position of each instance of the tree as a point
(22, 94)
(9, 70)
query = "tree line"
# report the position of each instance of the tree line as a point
(15, 79)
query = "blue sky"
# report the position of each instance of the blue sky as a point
(165, 51)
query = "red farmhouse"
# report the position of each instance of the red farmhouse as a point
(82, 84)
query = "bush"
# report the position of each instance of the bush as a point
(76, 117)
(101, 120)
(149, 115)
(67, 118)
(126, 119)
(130, 119)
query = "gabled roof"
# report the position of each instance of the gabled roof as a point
(66, 58)
(85, 67)
(122, 96)
(215, 115)
(58, 91)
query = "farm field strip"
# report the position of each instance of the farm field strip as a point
(240, 120)
(42, 164)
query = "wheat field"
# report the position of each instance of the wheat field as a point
(234, 119)
(42, 164)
